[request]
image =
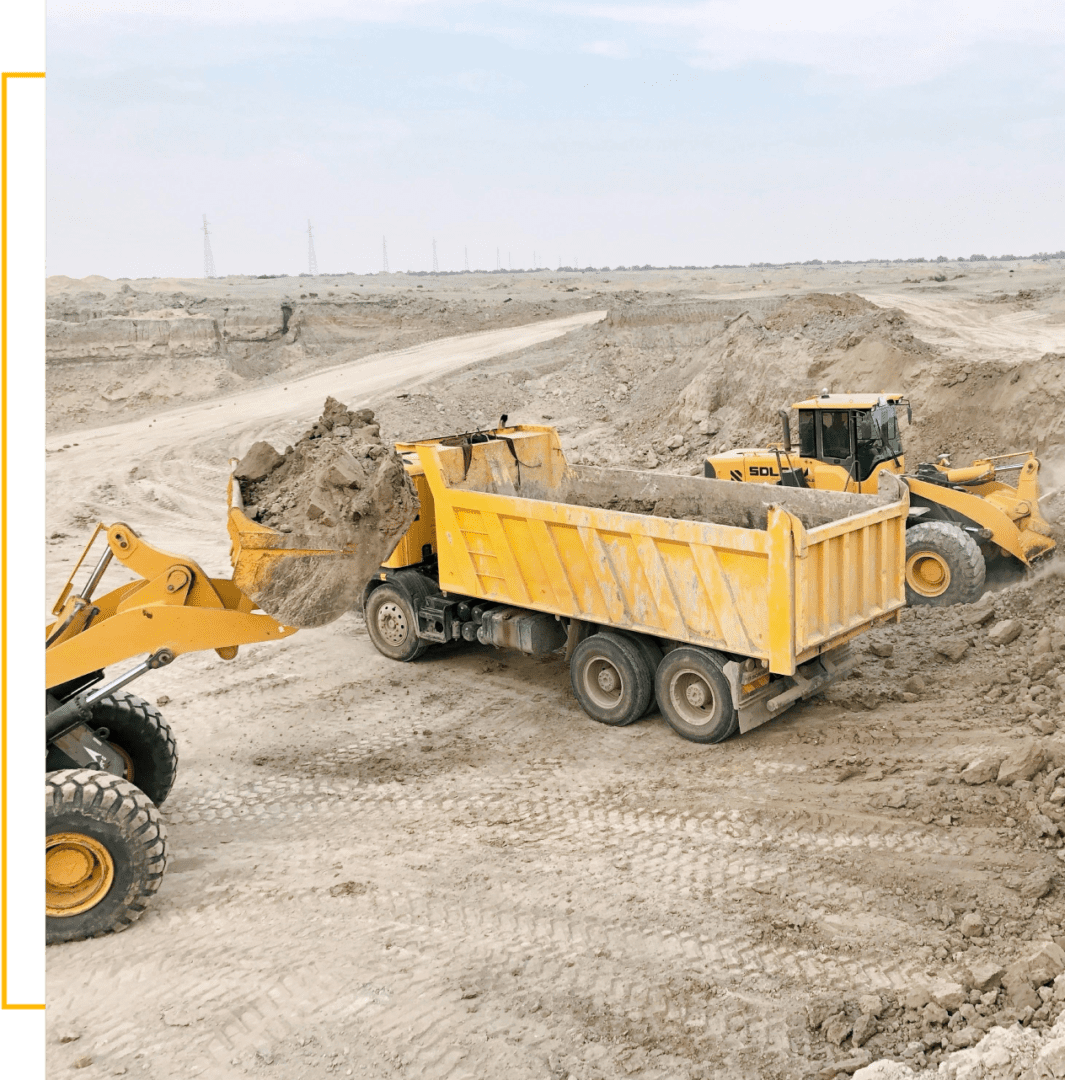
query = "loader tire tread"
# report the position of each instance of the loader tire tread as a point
(139, 729)
(119, 815)
(961, 553)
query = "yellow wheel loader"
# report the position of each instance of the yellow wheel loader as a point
(961, 521)
(111, 758)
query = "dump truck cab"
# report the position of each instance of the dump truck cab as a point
(844, 441)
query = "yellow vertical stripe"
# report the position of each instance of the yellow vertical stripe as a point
(4, 819)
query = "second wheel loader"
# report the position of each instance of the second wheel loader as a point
(961, 522)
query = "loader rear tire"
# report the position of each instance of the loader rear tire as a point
(391, 613)
(611, 679)
(142, 738)
(105, 854)
(944, 565)
(694, 695)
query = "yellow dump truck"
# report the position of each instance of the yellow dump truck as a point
(724, 603)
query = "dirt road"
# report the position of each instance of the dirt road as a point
(168, 473)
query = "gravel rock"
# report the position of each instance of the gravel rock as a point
(258, 463)
(871, 1004)
(883, 649)
(986, 976)
(864, 1030)
(952, 649)
(971, 925)
(1005, 631)
(983, 770)
(950, 995)
(1022, 764)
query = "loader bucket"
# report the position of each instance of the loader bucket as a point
(290, 579)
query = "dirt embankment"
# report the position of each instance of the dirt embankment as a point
(120, 351)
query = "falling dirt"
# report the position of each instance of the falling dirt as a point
(339, 489)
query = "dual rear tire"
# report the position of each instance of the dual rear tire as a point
(617, 678)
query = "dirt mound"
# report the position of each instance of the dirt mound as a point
(339, 489)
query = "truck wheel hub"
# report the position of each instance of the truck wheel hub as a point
(607, 679)
(696, 694)
(78, 872)
(392, 623)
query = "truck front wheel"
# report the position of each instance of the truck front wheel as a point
(392, 616)
(694, 695)
(944, 565)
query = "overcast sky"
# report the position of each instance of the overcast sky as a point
(609, 133)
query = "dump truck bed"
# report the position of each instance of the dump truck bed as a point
(777, 574)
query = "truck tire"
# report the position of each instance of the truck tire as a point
(105, 854)
(143, 739)
(694, 695)
(610, 678)
(651, 652)
(944, 565)
(391, 613)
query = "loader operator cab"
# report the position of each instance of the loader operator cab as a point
(856, 432)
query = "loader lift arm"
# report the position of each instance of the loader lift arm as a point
(172, 608)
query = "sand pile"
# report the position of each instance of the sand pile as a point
(339, 489)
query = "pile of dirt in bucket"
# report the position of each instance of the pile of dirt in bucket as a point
(341, 494)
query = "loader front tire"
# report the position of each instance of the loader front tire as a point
(944, 565)
(142, 738)
(105, 854)
(391, 613)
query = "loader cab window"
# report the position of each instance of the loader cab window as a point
(807, 433)
(835, 435)
(878, 438)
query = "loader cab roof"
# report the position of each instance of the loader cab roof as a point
(847, 401)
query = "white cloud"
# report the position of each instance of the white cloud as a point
(616, 49)
(885, 42)
(236, 11)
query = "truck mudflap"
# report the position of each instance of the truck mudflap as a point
(757, 704)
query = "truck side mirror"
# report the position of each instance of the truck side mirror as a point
(786, 424)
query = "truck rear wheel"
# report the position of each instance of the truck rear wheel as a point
(105, 854)
(392, 616)
(944, 565)
(142, 738)
(651, 652)
(694, 695)
(610, 678)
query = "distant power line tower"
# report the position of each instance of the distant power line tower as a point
(384, 254)
(498, 267)
(208, 255)
(466, 253)
(536, 265)
(312, 259)
(436, 267)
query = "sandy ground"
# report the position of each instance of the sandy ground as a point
(445, 869)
